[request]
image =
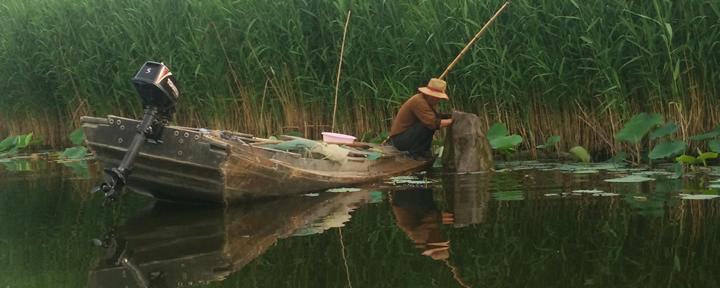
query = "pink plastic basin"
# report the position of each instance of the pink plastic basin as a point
(338, 138)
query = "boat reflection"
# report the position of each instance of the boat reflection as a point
(179, 246)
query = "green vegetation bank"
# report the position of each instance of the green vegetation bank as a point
(573, 68)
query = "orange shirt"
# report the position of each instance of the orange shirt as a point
(413, 110)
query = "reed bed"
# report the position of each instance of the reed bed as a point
(574, 68)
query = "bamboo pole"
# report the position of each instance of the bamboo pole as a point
(472, 41)
(337, 79)
(342, 250)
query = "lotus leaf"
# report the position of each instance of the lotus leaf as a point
(638, 127)
(581, 153)
(664, 150)
(714, 146)
(77, 136)
(74, 153)
(667, 129)
(703, 157)
(23, 140)
(686, 159)
(709, 135)
(550, 142)
(8, 143)
(505, 142)
(497, 130)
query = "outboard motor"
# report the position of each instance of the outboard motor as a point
(159, 94)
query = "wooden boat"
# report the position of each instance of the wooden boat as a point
(216, 166)
(177, 246)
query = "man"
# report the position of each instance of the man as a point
(418, 118)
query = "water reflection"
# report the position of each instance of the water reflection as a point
(418, 216)
(468, 197)
(16, 165)
(174, 246)
(417, 212)
(634, 235)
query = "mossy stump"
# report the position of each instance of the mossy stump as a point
(467, 150)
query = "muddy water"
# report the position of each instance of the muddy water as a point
(529, 225)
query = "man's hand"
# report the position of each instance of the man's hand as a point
(446, 122)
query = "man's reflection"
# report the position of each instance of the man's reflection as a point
(418, 216)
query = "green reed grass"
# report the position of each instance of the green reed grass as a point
(266, 66)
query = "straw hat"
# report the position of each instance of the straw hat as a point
(439, 253)
(435, 88)
(437, 250)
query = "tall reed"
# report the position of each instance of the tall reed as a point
(579, 68)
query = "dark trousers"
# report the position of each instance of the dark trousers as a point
(416, 140)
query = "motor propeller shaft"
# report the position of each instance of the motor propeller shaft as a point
(116, 178)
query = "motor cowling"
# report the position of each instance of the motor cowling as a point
(157, 88)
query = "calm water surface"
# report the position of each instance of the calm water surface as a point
(517, 228)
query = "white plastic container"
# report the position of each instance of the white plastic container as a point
(338, 138)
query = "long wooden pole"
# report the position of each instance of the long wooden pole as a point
(337, 79)
(472, 41)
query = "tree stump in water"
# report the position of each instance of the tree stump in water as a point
(467, 196)
(466, 147)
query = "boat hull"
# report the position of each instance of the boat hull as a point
(192, 165)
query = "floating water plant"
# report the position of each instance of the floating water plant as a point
(593, 191)
(77, 137)
(409, 180)
(581, 154)
(638, 126)
(606, 194)
(654, 127)
(11, 145)
(698, 196)
(500, 139)
(73, 153)
(667, 149)
(712, 134)
(713, 145)
(654, 173)
(586, 171)
(344, 190)
(701, 158)
(630, 179)
(550, 142)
